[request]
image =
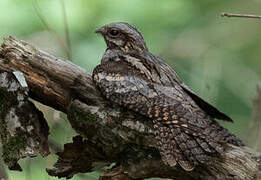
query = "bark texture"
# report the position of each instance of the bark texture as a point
(111, 134)
(23, 129)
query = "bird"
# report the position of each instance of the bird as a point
(185, 125)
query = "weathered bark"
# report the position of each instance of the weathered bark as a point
(112, 133)
(23, 129)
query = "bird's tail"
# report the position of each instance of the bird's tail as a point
(177, 146)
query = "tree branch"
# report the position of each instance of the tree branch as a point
(113, 134)
(240, 15)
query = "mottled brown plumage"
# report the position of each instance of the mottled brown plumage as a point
(131, 76)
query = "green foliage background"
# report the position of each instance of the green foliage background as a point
(219, 58)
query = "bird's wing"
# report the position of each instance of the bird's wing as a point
(208, 108)
(185, 133)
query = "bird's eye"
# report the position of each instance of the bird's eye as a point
(114, 32)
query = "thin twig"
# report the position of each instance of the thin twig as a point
(66, 28)
(240, 15)
(254, 132)
(50, 29)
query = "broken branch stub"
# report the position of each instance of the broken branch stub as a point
(23, 129)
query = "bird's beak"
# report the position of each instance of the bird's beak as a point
(99, 31)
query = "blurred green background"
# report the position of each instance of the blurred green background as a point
(219, 58)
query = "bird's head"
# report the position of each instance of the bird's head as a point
(122, 36)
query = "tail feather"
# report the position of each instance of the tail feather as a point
(179, 146)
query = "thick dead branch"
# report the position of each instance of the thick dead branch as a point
(112, 134)
(49, 78)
